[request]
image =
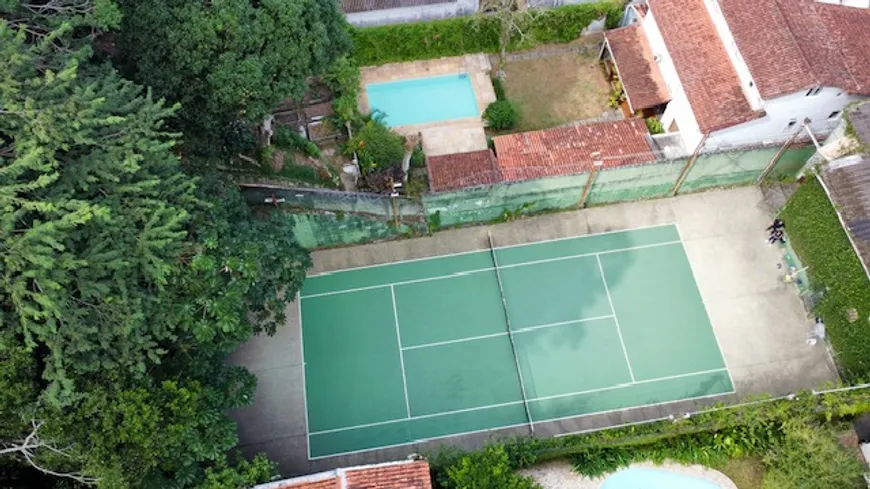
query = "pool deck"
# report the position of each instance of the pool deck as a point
(444, 137)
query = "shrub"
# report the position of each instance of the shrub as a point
(377, 146)
(500, 115)
(479, 33)
(418, 157)
(811, 458)
(822, 244)
(654, 125)
(343, 78)
(289, 139)
(489, 468)
(498, 88)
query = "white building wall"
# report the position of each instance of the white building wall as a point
(774, 126)
(678, 110)
(413, 14)
(750, 91)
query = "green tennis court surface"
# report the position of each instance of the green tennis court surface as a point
(420, 349)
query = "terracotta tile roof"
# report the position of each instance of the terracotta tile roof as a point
(569, 150)
(459, 170)
(704, 68)
(792, 45)
(641, 8)
(638, 70)
(354, 6)
(850, 29)
(392, 475)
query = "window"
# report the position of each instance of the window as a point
(791, 124)
(813, 91)
(834, 114)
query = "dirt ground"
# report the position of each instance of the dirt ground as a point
(556, 90)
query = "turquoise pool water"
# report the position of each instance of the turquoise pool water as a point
(420, 100)
(639, 478)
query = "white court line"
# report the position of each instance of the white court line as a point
(496, 335)
(401, 354)
(460, 340)
(459, 253)
(535, 399)
(615, 319)
(562, 418)
(704, 303)
(422, 416)
(487, 269)
(561, 323)
(302, 357)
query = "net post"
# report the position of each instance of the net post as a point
(510, 333)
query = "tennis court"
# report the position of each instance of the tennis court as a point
(505, 336)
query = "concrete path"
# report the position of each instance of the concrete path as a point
(759, 321)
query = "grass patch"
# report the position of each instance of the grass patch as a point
(822, 244)
(746, 472)
(556, 90)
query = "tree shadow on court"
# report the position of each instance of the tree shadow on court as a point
(582, 296)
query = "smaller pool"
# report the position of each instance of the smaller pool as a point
(420, 100)
(640, 478)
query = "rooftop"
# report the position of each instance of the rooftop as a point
(460, 170)
(793, 45)
(391, 475)
(571, 150)
(638, 70)
(705, 70)
(356, 6)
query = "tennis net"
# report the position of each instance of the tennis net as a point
(510, 333)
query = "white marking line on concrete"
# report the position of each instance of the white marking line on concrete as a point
(615, 319)
(496, 335)
(511, 403)
(302, 357)
(459, 253)
(704, 303)
(488, 269)
(526, 424)
(401, 354)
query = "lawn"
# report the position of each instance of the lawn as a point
(557, 90)
(822, 244)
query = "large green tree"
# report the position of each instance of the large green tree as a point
(228, 60)
(124, 281)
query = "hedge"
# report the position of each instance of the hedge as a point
(474, 34)
(753, 427)
(820, 241)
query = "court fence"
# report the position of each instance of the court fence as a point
(328, 218)
(505, 200)
(845, 402)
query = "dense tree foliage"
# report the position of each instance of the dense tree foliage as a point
(230, 60)
(125, 280)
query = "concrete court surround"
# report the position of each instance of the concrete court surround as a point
(759, 321)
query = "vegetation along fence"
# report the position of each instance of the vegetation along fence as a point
(505, 200)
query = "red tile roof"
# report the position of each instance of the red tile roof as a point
(704, 68)
(792, 45)
(638, 70)
(849, 27)
(570, 150)
(459, 170)
(392, 475)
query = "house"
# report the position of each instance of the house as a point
(742, 72)
(407, 474)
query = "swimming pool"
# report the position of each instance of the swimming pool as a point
(421, 100)
(635, 477)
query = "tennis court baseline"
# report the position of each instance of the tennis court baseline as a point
(442, 346)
